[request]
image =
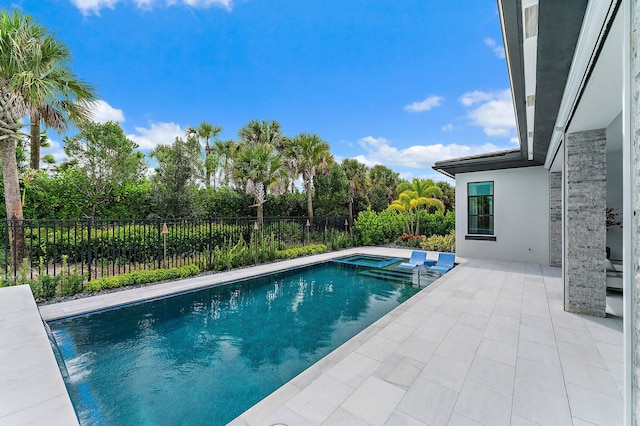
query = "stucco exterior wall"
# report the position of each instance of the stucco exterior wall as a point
(521, 215)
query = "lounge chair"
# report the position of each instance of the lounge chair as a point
(417, 258)
(445, 262)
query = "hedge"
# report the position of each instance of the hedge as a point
(142, 277)
(301, 251)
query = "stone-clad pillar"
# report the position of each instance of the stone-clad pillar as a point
(633, 340)
(555, 219)
(584, 222)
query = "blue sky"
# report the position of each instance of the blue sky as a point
(400, 83)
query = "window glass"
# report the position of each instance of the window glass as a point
(480, 204)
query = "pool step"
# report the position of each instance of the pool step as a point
(403, 277)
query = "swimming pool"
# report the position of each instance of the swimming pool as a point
(207, 356)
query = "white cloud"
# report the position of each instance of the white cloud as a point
(225, 4)
(380, 151)
(493, 112)
(156, 134)
(431, 101)
(447, 127)
(103, 112)
(471, 98)
(88, 7)
(498, 49)
(55, 149)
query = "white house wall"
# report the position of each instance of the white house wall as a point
(521, 215)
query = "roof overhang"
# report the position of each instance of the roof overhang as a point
(558, 29)
(500, 160)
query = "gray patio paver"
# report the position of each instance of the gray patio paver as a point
(492, 373)
(446, 372)
(460, 420)
(595, 407)
(498, 351)
(491, 344)
(429, 402)
(484, 404)
(374, 401)
(400, 371)
(398, 418)
(538, 405)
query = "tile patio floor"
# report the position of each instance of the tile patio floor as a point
(488, 344)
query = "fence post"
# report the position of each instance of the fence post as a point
(14, 248)
(89, 260)
(159, 243)
(210, 242)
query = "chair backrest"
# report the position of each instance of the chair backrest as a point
(446, 259)
(418, 256)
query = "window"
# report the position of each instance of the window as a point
(480, 207)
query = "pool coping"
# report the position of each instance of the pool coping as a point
(32, 390)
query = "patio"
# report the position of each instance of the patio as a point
(488, 343)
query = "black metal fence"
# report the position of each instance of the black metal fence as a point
(101, 248)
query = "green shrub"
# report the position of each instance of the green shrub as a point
(43, 286)
(373, 228)
(437, 223)
(142, 277)
(441, 243)
(301, 251)
(339, 240)
(287, 232)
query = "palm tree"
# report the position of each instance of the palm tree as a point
(356, 173)
(204, 132)
(313, 156)
(269, 132)
(225, 151)
(258, 167)
(55, 116)
(414, 195)
(34, 75)
(423, 187)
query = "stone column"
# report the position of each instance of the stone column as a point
(584, 222)
(634, 233)
(555, 219)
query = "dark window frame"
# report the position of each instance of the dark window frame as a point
(489, 235)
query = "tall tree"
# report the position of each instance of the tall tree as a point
(225, 151)
(265, 132)
(330, 195)
(34, 72)
(174, 183)
(448, 194)
(258, 168)
(204, 133)
(383, 183)
(313, 156)
(358, 186)
(106, 158)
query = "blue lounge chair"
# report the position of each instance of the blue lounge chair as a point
(417, 258)
(445, 262)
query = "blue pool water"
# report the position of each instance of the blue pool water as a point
(207, 356)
